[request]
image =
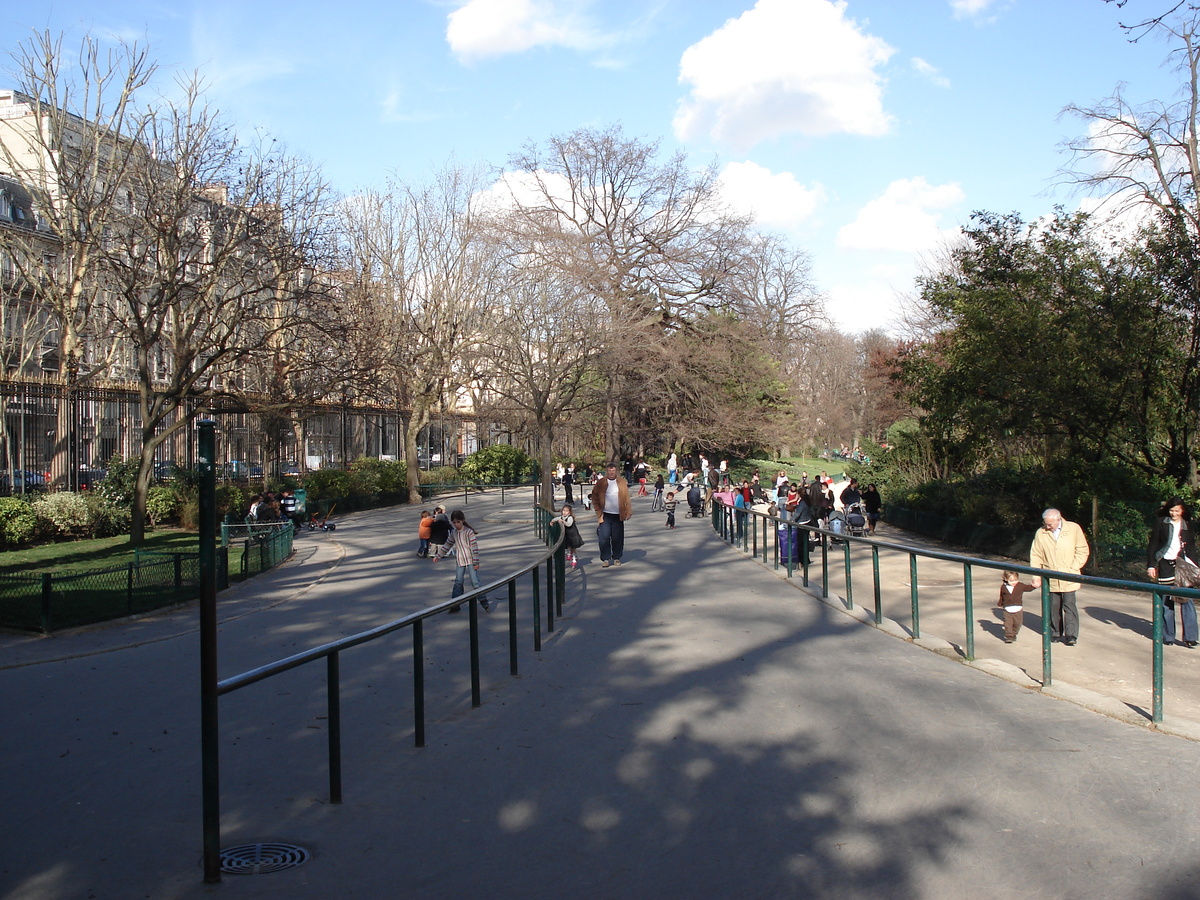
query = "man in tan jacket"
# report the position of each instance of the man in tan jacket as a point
(1060, 546)
(610, 500)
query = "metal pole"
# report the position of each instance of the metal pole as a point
(1046, 674)
(912, 593)
(969, 607)
(512, 627)
(333, 688)
(1156, 714)
(849, 587)
(209, 722)
(473, 611)
(878, 595)
(418, 636)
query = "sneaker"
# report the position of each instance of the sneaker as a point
(455, 609)
(616, 562)
(604, 564)
(483, 601)
(1070, 642)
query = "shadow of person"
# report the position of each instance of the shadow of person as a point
(1136, 624)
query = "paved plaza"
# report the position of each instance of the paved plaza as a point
(697, 726)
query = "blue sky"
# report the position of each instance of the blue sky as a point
(865, 131)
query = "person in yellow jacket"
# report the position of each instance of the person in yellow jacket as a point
(610, 501)
(1060, 546)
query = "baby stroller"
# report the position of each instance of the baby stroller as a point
(695, 502)
(837, 524)
(856, 519)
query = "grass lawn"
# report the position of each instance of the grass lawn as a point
(67, 557)
(794, 466)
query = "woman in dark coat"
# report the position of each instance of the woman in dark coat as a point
(1171, 538)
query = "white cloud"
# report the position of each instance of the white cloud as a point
(930, 71)
(483, 28)
(905, 218)
(856, 307)
(784, 66)
(777, 200)
(971, 9)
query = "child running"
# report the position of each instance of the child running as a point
(463, 542)
(669, 505)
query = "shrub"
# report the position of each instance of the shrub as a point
(441, 475)
(18, 521)
(230, 499)
(327, 484)
(121, 478)
(162, 504)
(498, 463)
(371, 476)
(64, 514)
(106, 517)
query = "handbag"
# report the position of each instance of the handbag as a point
(1187, 573)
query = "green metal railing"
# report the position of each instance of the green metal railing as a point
(553, 560)
(255, 547)
(747, 539)
(47, 602)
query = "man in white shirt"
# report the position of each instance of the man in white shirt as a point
(610, 501)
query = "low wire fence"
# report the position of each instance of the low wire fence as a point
(45, 602)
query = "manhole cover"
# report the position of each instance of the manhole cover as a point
(259, 859)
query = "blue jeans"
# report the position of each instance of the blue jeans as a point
(611, 536)
(1187, 612)
(460, 575)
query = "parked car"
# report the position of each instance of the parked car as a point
(290, 470)
(21, 481)
(164, 470)
(89, 478)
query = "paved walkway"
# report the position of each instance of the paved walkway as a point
(696, 727)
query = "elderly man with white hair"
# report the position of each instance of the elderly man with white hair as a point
(1060, 546)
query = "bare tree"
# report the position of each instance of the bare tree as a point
(532, 356)
(418, 277)
(206, 253)
(649, 239)
(70, 134)
(1146, 155)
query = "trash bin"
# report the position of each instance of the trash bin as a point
(794, 551)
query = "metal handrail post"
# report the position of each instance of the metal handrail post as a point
(418, 636)
(825, 565)
(913, 595)
(1046, 668)
(334, 723)
(878, 593)
(791, 543)
(969, 609)
(550, 595)
(512, 627)
(537, 609)
(473, 615)
(805, 554)
(849, 586)
(1156, 714)
(210, 748)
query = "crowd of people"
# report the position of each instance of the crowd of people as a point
(1058, 546)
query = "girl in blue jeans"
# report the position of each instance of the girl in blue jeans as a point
(463, 542)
